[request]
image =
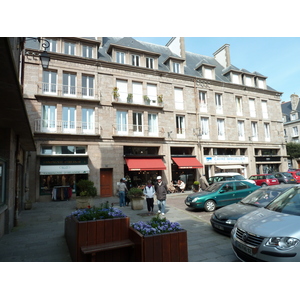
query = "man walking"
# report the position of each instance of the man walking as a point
(161, 194)
(203, 182)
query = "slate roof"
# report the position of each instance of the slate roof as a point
(286, 108)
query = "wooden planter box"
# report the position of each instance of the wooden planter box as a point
(89, 233)
(165, 247)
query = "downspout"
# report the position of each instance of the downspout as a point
(16, 211)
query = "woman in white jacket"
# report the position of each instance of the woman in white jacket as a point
(149, 192)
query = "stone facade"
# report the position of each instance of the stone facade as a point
(105, 145)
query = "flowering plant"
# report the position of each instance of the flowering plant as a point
(156, 225)
(98, 213)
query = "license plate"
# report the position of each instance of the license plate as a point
(273, 180)
(244, 248)
(218, 226)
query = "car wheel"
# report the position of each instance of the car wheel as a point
(264, 184)
(282, 182)
(210, 205)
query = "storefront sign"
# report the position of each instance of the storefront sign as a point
(226, 159)
(64, 160)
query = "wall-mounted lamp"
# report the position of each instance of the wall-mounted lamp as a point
(44, 56)
(169, 134)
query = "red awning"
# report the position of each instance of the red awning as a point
(187, 162)
(145, 164)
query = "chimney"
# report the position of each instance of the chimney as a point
(177, 46)
(295, 101)
(222, 55)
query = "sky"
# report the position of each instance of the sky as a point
(277, 58)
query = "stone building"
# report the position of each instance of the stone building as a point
(108, 108)
(16, 138)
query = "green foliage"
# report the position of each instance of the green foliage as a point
(135, 192)
(86, 188)
(196, 183)
(293, 149)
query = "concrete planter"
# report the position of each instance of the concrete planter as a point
(137, 203)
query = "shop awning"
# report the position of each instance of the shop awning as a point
(64, 169)
(145, 164)
(231, 167)
(187, 162)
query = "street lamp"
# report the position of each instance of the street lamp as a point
(45, 59)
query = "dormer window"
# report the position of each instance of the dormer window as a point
(208, 73)
(120, 57)
(70, 48)
(248, 80)
(260, 83)
(87, 51)
(235, 78)
(149, 63)
(207, 70)
(176, 67)
(294, 116)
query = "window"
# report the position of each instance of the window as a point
(46, 150)
(235, 78)
(178, 95)
(149, 63)
(122, 122)
(294, 116)
(241, 186)
(69, 84)
(152, 93)
(218, 100)
(208, 73)
(248, 80)
(135, 60)
(204, 127)
(153, 124)
(295, 131)
(63, 150)
(49, 118)
(69, 119)
(120, 57)
(264, 109)
(239, 107)
(180, 126)
(254, 131)
(137, 123)
(2, 182)
(122, 90)
(241, 130)
(87, 86)
(176, 67)
(88, 120)
(87, 51)
(252, 107)
(52, 45)
(221, 129)
(137, 91)
(267, 131)
(70, 48)
(260, 83)
(202, 100)
(49, 82)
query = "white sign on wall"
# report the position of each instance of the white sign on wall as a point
(226, 160)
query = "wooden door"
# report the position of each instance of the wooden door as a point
(106, 183)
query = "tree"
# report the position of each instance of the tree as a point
(293, 149)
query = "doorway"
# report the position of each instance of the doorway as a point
(106, 182)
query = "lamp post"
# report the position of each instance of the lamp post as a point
(44, 56)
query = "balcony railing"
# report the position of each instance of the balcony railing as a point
(133, 130)
(138, 102)
(67, 127)
(67, 91)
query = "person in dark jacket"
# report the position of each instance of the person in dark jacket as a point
(161, 190)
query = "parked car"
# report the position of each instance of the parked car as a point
(271, 233)
(220, 194)
(296, 175)
(224, 218)
(264, 179)
(285, 177)
(226, 177)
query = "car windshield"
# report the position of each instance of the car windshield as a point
(287, 203)
(214, 187)
(261, 197)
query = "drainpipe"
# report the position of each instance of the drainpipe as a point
(16, 206)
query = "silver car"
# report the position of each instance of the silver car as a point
(271, 233)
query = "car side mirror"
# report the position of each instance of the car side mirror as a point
(221, 191)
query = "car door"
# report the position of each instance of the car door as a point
(225, 194)
(242, 189)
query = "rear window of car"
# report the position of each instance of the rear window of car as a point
(239, 177)
(270, 176)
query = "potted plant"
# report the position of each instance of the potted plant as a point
(129, 98)
(196, 186)
(116, 94)
(136, 198)
(92, 226)
(160, 99)
(159, 240)
(146, 100)
(86, 190)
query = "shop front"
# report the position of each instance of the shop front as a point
(58, 176)
(184, 168)
(140, 169)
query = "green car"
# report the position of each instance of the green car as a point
(220, 194)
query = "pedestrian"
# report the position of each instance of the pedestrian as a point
(203, 182)
(149, 192)
(181, 186)
(122, 189)
(161, 194)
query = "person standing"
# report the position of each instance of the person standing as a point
(149, 192)
(203, 183)
(161, 194)
(122, 189)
